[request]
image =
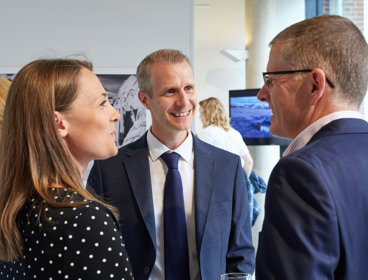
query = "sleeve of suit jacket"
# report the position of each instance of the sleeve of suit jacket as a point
(240, 255)
(299, 238)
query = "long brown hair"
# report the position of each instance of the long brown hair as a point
(33, 155)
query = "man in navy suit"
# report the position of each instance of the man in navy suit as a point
(214, 188)
(316, 208)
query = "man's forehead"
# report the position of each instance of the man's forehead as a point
(275, 61)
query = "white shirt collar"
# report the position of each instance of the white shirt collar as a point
(156, 148)
(303, 138)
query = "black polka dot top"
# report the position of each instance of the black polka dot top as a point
(82, 242)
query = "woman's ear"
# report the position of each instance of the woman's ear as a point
(61, 124)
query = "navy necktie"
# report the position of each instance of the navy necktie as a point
(175, 232)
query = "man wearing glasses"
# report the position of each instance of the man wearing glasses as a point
(316, 206)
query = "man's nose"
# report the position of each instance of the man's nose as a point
(182, 98)
(262, 94)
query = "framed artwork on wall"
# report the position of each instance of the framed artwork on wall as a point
(122, 90)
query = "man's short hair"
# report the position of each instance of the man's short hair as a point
(144, 68)
(334, 44)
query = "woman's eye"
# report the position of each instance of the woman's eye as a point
(103, 103)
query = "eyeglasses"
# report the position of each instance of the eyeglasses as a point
(267, 80)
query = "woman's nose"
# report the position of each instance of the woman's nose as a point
(115, 115)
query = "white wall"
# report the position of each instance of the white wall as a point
(219, 25)
(114, 34)
(288, 13)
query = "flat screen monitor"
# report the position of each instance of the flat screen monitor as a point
(251, 117)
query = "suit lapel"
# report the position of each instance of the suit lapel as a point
(204, 168)
(138, 171)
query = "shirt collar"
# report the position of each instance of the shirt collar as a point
(303, 138)
(156, 148)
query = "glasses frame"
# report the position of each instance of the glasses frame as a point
(267, 81)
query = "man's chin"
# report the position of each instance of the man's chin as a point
(273, 131)
(183, 126)
(277, 133)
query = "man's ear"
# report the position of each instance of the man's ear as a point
(319, 85)
(144, 98)
(61, 124)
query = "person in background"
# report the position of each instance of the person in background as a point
(57, 118)
(316, 200)
(4, 88)
(217, 131)
(210, 233)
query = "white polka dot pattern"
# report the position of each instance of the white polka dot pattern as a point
(69, 243)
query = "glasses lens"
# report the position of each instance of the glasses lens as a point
(266, 80)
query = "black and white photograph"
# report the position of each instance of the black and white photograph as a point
(123, 96)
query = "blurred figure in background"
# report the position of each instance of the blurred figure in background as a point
(57, 118)
(4, 88)
(218, 132)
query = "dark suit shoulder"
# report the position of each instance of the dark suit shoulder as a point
(129, 149)
(334, 141)
(135, 146)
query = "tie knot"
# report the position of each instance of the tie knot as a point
(171, 160)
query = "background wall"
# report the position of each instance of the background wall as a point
(114, 34)
(218, 26)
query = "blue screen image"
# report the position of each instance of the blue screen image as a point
(250, 116)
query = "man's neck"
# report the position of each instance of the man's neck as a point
(172, 141)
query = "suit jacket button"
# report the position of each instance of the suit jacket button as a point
(146, 270)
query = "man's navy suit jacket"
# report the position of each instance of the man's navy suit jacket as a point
(316, 210)
(223, 234)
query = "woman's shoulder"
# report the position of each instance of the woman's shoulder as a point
(78, 240)
(213, 128)
(211, 131)
(38, 211)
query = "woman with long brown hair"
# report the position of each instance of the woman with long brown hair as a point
(57, 118)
